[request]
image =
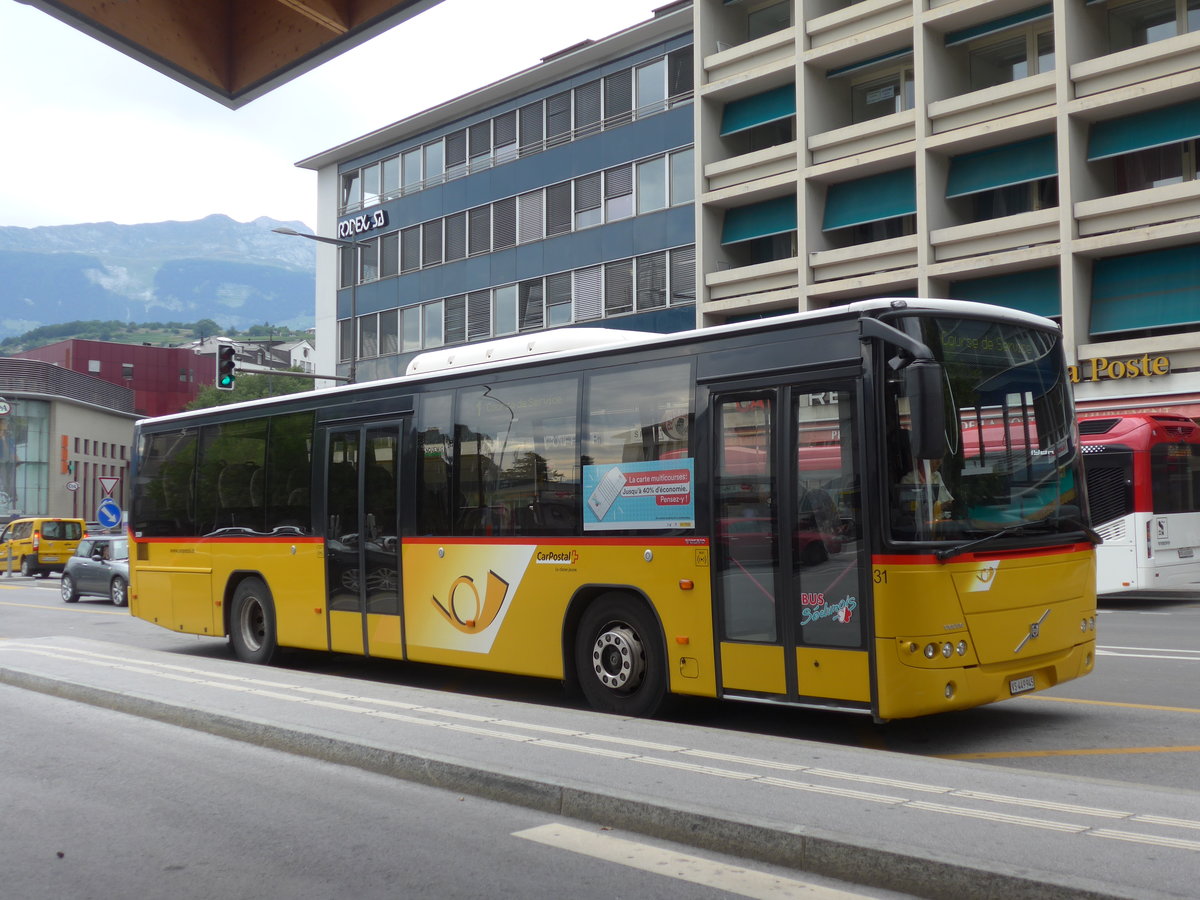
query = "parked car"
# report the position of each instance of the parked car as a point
(100, 567)
(39, 545)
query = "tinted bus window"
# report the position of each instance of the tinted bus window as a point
(435, 455)
(164, 496)
(232, 455)
(1175, 478)
(284, 487)
(517, 466)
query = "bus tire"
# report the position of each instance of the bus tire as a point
(252, 623)
(619, 657)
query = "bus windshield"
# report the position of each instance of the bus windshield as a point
(1011, 458)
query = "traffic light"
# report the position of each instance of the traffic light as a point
(226, 367)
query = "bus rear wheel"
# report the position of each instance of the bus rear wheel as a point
(619, 657)
(252, 622)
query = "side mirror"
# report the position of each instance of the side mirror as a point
(923, 385)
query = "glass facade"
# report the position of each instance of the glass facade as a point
(25, 459)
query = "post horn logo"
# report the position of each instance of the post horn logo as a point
(465, 610)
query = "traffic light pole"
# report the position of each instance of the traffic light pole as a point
(357, 245)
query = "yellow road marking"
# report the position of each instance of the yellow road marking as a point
(1184, 709)
(1095, 751)
(82, 609)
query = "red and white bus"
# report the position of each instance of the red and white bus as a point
(1143, 485)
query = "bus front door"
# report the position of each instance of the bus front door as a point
(787, 563)
(362, 539)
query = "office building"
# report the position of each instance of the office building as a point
(804, 154)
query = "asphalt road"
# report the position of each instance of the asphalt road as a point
(1135, 720)
(92, 811)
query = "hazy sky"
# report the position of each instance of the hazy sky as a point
(89, 135)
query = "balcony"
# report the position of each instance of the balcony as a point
(864, 259)
(772, 284)
(1014, 98)
(731, 66)
(750, 168)
(874, 134)
(995, 235)
(856, 19)
(1152, 206)
(1177, 56)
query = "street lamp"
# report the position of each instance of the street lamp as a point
(283, 229)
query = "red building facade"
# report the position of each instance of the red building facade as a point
(164, 379)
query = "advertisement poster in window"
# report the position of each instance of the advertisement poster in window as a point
(639, 495)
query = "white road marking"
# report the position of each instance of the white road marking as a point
(682, 866)
(674, 757)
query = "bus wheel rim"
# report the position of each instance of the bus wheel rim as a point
(253, 624)
(618, 658)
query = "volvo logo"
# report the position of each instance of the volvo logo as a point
(1035, 628)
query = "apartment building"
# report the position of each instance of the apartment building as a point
(1037, 155)
(729, 159)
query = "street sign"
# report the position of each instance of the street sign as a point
(108, 513)
(72, 485)
(108, 482)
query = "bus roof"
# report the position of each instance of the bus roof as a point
(562, 343)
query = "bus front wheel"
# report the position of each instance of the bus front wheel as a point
(252, 622)
(619, 657)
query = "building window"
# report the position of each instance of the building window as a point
(93, 365)
(881, 94)
(768, 19)
(368, 336)
(683, 189)
(127, 372)
(432, 330)
(351, 191)
(1146, 21)
(1016, 198)
(651, 85)
(410, 321)
(651, 185)
(1155, 167)
(1011, 57)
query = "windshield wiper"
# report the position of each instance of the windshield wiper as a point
(1039, 526)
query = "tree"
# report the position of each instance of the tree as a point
(251, 387)
(205, 328)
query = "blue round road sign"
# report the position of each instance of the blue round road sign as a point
(108, 513)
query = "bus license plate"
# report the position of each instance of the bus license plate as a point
(1021, 685)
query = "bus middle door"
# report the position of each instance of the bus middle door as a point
(362, 539)
(787, 561)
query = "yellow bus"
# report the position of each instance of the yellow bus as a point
(800, 510)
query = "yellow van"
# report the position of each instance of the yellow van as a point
(39, 545)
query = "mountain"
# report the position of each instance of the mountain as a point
(237, 273)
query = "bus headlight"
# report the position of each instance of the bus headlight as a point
(947, 650)
(962, 648)
(930, 651)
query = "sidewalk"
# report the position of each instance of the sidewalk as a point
(933, 828)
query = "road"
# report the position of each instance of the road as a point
(739, 779)
(91, 811)
(1135, 720)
